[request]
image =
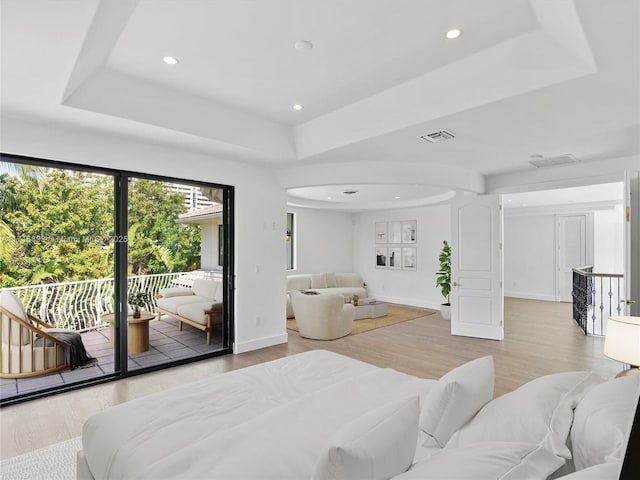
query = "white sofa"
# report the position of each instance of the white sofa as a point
(319, 415)
(346, 284)
(322, 317)
(200, 306)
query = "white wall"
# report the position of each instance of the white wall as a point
(530, 256)
(608, 254)
(260, 208)
(323, 241)
(418, 287)
(530, 250)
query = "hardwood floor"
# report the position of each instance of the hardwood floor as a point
(540, 338)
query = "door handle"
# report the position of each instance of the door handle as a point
(630, 302)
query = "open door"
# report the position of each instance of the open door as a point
(477, 298)
(631, 211)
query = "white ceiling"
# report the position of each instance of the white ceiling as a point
(527, 77)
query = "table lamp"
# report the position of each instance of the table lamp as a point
(622, 342)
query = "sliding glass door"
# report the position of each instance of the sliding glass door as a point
(130, 264)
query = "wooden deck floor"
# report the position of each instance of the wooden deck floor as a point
(166, 343)
(541, 338)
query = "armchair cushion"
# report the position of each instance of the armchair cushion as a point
(322, 317)
(205, 288)
(175, 292)
(196, 311)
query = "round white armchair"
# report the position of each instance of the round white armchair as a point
(323, 316)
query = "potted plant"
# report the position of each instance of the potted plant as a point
(443, 278)
(138, 299)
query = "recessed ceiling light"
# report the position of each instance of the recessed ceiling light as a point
(169, 60)
(397, 197)
(453, 33)
(328, 198)
(298, 107)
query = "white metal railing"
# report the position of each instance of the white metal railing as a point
(81, 305)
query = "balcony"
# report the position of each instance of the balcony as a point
(81, 306)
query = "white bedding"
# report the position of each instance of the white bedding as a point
(269, 421)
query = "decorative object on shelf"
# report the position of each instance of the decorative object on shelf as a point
(622, 342)
(443, 278)
(138, 299)
(355, 300)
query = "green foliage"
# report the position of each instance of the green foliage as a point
(139, 298)
(157, 243)
(59, 227)
(443, 278)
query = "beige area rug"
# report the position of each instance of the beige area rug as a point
(396, 314)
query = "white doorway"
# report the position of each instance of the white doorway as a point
(575, 249)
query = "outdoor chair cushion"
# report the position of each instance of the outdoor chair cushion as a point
(195, 311)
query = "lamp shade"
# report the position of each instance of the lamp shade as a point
(622, 342)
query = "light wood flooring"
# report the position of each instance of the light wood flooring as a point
(540, 338)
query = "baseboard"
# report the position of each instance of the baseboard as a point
(532, 296)
(409, 302)
(257, 343)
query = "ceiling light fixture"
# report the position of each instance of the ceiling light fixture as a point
(328, 198)
(397, 197)
(298, 107)
(169, 60)
(453, 33)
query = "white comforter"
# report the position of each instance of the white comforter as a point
(269, 421)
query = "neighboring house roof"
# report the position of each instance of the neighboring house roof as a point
(202, 214)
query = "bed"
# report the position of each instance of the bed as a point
(320, 415)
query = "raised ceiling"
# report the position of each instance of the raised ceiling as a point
(526, 77)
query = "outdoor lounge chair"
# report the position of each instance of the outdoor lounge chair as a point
(32, 347)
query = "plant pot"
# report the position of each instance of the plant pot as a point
(445, 311)
(136, 312)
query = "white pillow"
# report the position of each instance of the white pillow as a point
(375, 446)
(604, 471)
(487, 460)
(319, 281)
(540, 411)
(602, 421)
(456, 398)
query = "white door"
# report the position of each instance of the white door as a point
(476, 267)
(573, 251)
(631, 297)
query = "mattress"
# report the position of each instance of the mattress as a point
(268, 421)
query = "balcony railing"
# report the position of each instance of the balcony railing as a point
(596, 296)
(81, 305)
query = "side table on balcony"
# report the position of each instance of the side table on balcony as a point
(138, 334)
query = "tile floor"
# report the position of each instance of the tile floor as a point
(167, 343)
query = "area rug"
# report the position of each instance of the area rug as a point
(57, 461)
(396, 314)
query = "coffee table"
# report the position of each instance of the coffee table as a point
(371, 310)
(138, 334)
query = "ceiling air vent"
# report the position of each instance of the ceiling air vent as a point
(540, 162)
(438, 136)
(350, 192)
